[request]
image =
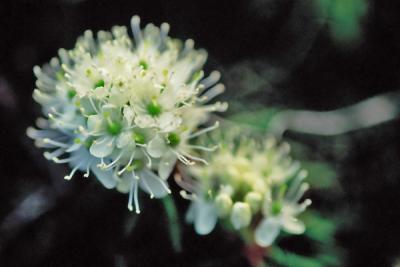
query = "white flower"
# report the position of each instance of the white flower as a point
(244, 181)
(281, 213)
(125, 109)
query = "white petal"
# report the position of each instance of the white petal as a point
(124, 183)
(102, 147)
(94, 123)
(156, 147)
(240, 215)
(124, 139)
(293, 226)
(166, 165)
(144, 121)
(169, 122)
(267, 231)
(205, 217)
(105, 177)
(152, 184)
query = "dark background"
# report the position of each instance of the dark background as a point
(271, 53)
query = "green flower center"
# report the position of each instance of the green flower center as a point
(173, 139)
(276, 208)
(143, 64)
(139, 138)
(114, 127)
(71, 94)
(100, 83)
(154, 109)
(135, 165)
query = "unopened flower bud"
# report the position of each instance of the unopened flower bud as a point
(254, 200)
(241, 215)
(223, 203)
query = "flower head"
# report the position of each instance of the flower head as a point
(249, 183)
(125, 109)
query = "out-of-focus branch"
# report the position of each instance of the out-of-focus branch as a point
(367, 113)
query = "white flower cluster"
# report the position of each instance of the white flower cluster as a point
(249, 184)
(125, 109)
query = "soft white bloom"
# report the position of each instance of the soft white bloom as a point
(125, 109)
(247, 180)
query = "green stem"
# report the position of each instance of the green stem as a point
(173, 222)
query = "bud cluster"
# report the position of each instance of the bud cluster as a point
(250, 184)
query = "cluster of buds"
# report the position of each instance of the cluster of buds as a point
(125, 109)
(249, 184)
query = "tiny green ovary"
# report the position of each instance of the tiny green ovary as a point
(98, 84)
(173, 139)
(138, 138)
(154, 109)
(143, 64)
(276, 208)
(114, 128)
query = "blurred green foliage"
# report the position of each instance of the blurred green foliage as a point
(344, 18)
(174, 227)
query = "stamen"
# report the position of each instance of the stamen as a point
(87, 173)
(164, 185)
(296, 184)
(203, 148)
(164, 29)
(148, 188)
(195, 158)
(54, 143)
(115, 161)
(188, 196)
(60, 122)
(93, 105)
(148, 158)
(137, 33)
(68, 177)
(127, 165)
(212, 79)
(303, 188)
(60, 161)
(183, 159)
(56, 153)
(189, 44)
(213, 92)
(205, 130)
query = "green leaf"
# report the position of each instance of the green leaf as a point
(319, 228)
(320, 175)
(285, 258)
(174, 226)
(257, 119)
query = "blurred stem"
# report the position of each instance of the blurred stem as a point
(367, 113)
(173, 222)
